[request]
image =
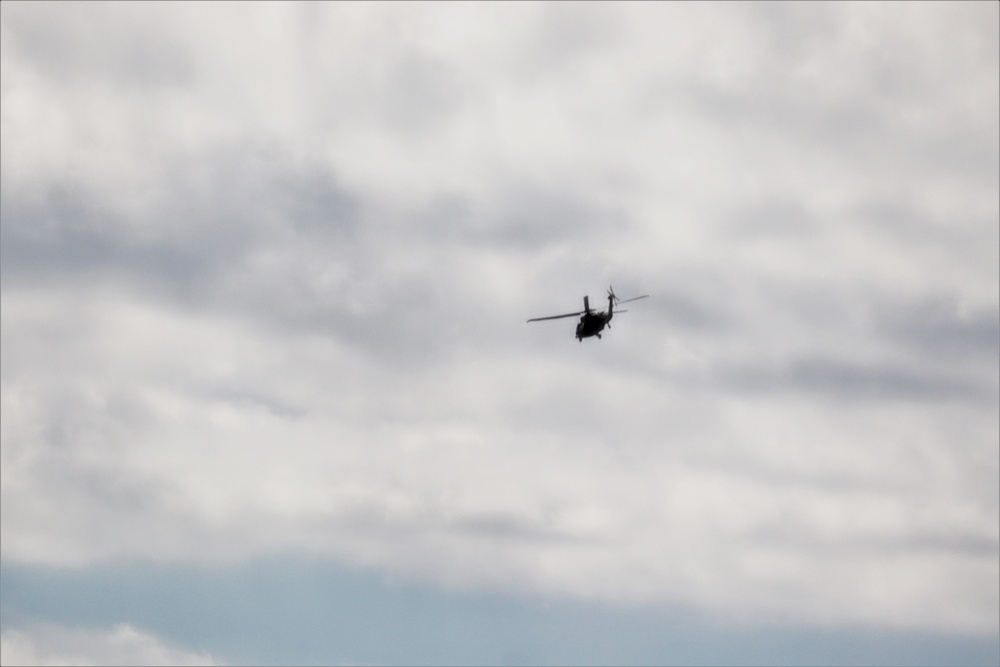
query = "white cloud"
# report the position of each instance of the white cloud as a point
(266, 277)
(120, 645)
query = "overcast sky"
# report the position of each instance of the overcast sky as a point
(268, 390)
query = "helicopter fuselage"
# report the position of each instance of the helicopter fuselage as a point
(592, 324)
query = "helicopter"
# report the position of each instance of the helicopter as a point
(593, 322)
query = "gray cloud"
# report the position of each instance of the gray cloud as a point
(525, 218)
(68, 238)
(937, 330)
(858, 382)
(101, 45)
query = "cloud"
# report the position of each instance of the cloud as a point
(856, 382)
(120, 645)
(273, 299)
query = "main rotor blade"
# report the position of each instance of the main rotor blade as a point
(635, 298)
(556, 317)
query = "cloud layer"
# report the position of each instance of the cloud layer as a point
(265, 276)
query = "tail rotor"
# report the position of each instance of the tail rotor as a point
(614, 297)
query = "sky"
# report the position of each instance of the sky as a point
(268, 391)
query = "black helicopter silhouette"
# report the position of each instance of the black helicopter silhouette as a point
(593, 322)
